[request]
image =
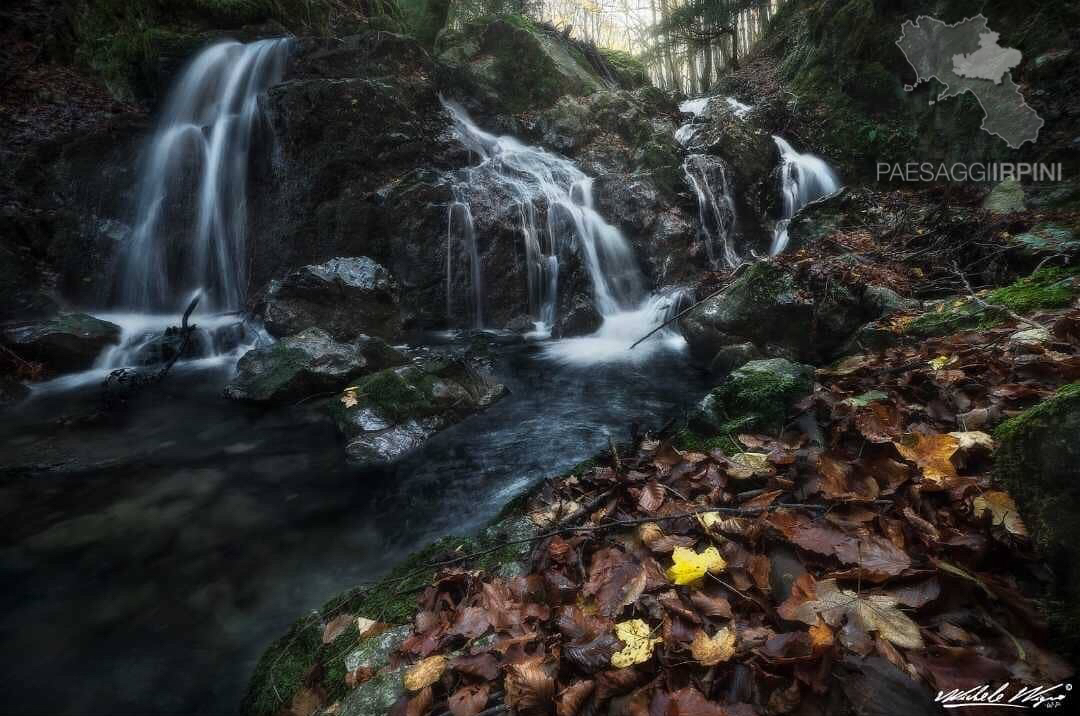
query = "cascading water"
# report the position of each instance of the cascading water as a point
(716, 208)
(557, 214)
(555, 204)
(804, 178)
(191, 215)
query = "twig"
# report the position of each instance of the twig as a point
(686, 310)
(992, 306)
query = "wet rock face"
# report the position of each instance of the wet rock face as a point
(346, 297)
(395, 411)
(65, 343)
(305, 364)
(768, 307)
(11, 390)
(580, 320)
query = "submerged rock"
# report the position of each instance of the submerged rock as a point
(305, 364)
(394, 411)
(64, 343)
(346, 297)
(1038, 462)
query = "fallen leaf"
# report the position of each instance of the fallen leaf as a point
(1002, 511)
(690, 566)
(711, 650)
(336, 627)
(652, 496)
(349, 398)
(638, 640)
(570, 700)
(932, 453)
(425, 673)
(529, 688)
(420, 704)
(468, 700)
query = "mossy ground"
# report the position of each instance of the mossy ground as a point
(300, 658)
(1046, 288)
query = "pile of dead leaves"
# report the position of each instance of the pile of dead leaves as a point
(859, 562)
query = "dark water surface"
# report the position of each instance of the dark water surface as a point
(147, 562)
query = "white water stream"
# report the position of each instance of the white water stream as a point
(804, 178)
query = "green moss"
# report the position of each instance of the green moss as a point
(689, 441)
(760, 399)
(767, 281)
(398, 395)
(282, 668)
(629, 70)
(1044, 289)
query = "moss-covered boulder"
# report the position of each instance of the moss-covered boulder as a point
(496, 57)
(778, 311)
(1005, 198)
(66, 342)
(1047, 239)
(394, 411)
(755, 397)
(305, 364)
(1038, 462)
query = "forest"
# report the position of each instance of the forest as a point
(539, 357)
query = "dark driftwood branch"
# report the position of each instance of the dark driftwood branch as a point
(185, 333)
(686, 310)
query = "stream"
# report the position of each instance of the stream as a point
(150, 559)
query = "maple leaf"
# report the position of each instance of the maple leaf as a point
(933, 454)
(349, 398)
(1002, 511)
(873, 612)
(690, 566)
(638, 640)
(711, 650)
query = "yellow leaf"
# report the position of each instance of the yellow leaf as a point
(690, 566)
(1002, 510)
(932, 453)
(425, 673)
(348, 398)
(711, 650)
(637, 637)
(939, 362)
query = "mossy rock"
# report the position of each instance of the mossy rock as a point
(629, 70)
(755, 397)
(66, 342)
(1038, 462)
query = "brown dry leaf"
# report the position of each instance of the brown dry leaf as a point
(336, 627)
(711, 650)
(468, 700)
(425, 673)
(349, 398)
(529, 688)
(749, 464)
(368, 627)
(821, 636)
(570, 700)
(932, 453)
(710, 606)
(688, 701)
(876, 556)
(917, 595)
(873, 612)
(615, 580)
(358, 676)
(481, 666)
(1002, 511)
(652, 497)
(556, 512)
(420, 704)
(304, 702)
(715, 524)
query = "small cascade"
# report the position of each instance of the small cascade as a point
(466, 235)
(555, 205)
(696, 107)
(716, 208)
(191, 217)
(739, 109)
(803, 179)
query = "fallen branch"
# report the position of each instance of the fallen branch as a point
(993, 306)
(683, 312)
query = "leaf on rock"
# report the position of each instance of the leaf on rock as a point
(690, 566)
(1002, 511)
(336, 627)
(711, 650)
(638, 640)
(425, 673)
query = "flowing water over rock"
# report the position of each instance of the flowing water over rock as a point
(708, 178)
(803, 178)
(557, 214)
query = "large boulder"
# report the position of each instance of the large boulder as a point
(756, 396)
(346, 297)
(64, 343)
(307, 363)
(581, 319)
(769, 306)
(1038, 462)
(394, 411)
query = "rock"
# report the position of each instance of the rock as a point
(65, 343)
(1047, 240)
(881, 301)
(397, 410)
(756, 396)
(1006, 197)
(377, 695)
(11, 390)
(1038, 462)
(730, 357)
(1029, 340)
(746, 146)
(374, 652)
(581, 319)
(767, 307)
(820, 218)
(521, 324)
(305, 364)
(346, 297)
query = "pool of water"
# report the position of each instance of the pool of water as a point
(149, 556)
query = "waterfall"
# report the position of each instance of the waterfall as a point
(803, 178)
(191, 216)
(461, 208)
(716, 209)
(696, 107)
(555, 208)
